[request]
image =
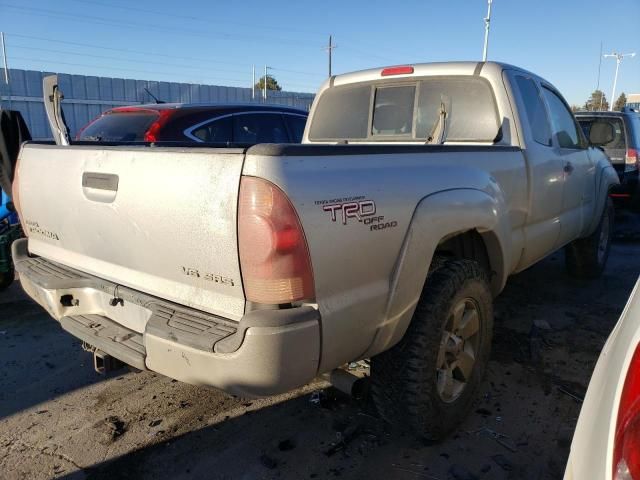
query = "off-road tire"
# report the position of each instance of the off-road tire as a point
(587, 257)
(6, 279)
(404, 379)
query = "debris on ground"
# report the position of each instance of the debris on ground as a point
(286, 445)
(268, 461)
(501, 438)
(461, 473)
(562, 389)
(111, 428)
(344, 438)
(503, 462)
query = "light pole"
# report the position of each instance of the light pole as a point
(264, 84)
(618, 57)
(487, 24)
(253, 83)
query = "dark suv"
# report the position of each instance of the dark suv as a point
(202, 123)
(619, 135)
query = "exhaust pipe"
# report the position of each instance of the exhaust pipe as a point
(348, 383)
(103, 363)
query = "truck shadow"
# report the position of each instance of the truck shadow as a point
(627, 226)
(40, 361)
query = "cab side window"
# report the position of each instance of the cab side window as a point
(259, 128)
(218, 131)
(535, 110)
(565, 128)
(296, 124)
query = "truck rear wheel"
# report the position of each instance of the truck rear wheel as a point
(587, 257)
(427, 381)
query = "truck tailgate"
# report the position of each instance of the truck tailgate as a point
(158, 220)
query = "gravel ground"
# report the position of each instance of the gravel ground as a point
(59, 419)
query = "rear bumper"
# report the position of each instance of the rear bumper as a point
(625, 194)
(267, 352)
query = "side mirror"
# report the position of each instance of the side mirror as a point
(601, 133)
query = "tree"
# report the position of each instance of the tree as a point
(620, 102)
(597, 101)
(575, 108)
(272, 83)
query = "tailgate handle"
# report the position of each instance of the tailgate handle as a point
(100, 181)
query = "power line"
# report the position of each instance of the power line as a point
(103, 67)
(224, 36)
(126, 50)
(107, 57)
(296, 71)
(362, 54)
(148, 11)
(151, 72)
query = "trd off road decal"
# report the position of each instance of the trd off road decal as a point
(356, 209)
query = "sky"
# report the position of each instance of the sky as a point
(218, 42)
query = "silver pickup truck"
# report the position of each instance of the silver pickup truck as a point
(416, 192)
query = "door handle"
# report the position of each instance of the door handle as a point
(568, 167)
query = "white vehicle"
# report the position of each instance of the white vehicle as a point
(606, 442)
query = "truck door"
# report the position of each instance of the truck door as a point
(544, 171)
(577, 169)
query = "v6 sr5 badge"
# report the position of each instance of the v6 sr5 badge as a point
(361, 211)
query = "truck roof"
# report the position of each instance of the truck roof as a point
(429, 69)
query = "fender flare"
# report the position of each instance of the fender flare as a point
(437, 217)
(606, 177)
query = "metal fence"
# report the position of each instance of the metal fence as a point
(86, 96)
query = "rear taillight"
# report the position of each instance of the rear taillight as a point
(151, 135)
(632, 157)
(15, 192)
(626, 449)
(274, 256)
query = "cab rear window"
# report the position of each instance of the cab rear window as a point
(342, 113)
(384, 111)
(119, 127)
(619, 141)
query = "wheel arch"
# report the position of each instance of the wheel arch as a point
(462, 223)
(606, 178)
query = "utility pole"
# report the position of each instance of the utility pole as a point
(329, 49)
(253, 82)
(487, 24)
(618, 57)
(6, 67)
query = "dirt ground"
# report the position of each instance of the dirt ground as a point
(59, 419)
